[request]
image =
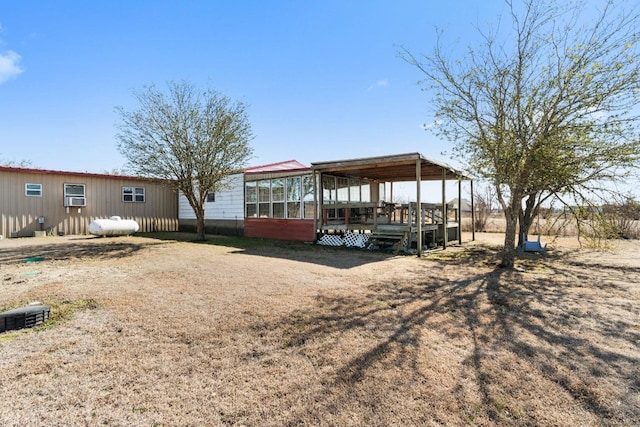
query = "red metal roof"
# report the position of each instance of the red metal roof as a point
(82, 174)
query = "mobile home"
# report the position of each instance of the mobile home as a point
(56, 202)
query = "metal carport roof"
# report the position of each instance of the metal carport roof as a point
(398, 167)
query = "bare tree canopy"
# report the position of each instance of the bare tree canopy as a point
(14, 163)
(545, 107)
(192, 139)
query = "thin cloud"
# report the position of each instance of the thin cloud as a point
(9, 65)
(379, 84)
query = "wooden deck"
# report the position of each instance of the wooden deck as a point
(392, 222)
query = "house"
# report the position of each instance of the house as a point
(57, 202)
(285, 200)
(252, 203)
(291, 201)
(224, 210)
(280, 201)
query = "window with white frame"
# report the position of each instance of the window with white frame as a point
(133, 194)
(264, 198)
(277, 197)
(293, 197)
(251, 199)
(74, 195)
(33, 190)
(74, 190)
(290, 197)
(307, 197)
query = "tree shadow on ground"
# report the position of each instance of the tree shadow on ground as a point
(336, 257)
(556, 344)
(340, 258)
(99, 248)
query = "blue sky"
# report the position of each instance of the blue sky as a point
(322, 79)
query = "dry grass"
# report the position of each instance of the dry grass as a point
(245, 332)
(558, 226)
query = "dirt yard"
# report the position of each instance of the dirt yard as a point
(153, 332)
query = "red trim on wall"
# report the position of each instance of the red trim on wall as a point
(300, 230)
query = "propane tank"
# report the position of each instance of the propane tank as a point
(114, 226)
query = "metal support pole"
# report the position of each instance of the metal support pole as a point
(459, 218)
(317, 210)
(418, 208)
(445, 230)
(473, 215)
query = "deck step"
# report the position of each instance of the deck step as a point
(395, 240)
(387, 236)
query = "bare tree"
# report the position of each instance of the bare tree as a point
(189, 138)
(546, 110)
(17, 164)
(484, 199)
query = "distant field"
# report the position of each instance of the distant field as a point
(553, 226)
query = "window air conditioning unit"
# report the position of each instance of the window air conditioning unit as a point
(75, 201)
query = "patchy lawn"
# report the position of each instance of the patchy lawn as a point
(166, 332)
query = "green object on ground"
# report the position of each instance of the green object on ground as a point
(30, 273)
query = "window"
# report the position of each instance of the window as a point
(74, 190)
(277, 197)
(328, 189)
(290, 197)
(366, 192)
(293, 188)
(343, 190)
(251, 198)
(211, 197)
(74, 195)
(133, 194)
(277, 190)
(307, 196)
(293, 197)
(264, 188)
(33, 190)
(264, 198)
(354, 190)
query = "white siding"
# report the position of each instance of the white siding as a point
(184, 210)
(229, 203)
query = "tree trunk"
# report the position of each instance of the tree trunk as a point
(200, 237)
(526, 218)
(509, 253)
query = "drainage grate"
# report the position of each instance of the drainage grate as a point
(24, 317)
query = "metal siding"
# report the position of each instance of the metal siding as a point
(104, 199)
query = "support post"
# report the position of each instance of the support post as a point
(317, 208)
(459, 216)
(418, 208)
(445, 230)
(473, 216)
